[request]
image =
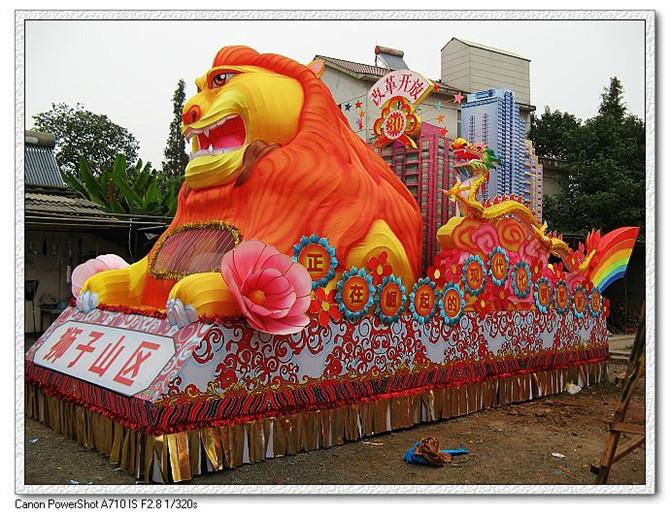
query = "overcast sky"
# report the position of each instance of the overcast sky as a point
(128, 70)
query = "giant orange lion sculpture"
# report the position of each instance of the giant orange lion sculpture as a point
(273, 159)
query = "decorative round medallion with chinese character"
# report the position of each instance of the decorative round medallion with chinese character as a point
(474, 274)
(521, 279)
(391, 299)
(579, 302)
(423, 300)
(562, 297)
(452, 303)
(595, 303)
(316, 254)
(542, 294)
(355, 294)
(498, 266)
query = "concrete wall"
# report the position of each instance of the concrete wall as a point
(475, 69)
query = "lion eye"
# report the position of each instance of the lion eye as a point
(221, 79)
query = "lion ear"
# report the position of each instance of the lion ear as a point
(317, 66)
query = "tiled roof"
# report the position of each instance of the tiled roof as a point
(356, 67)
(46, 203)
(41, 168)
(373, 72)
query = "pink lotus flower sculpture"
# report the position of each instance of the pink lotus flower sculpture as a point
(273, 292)
(92, 266)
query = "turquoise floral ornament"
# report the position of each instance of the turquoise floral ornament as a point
(579, 291)
(355, 294)
(390, 300)
(452, 303)
(421, 306)
(499, 266)
(561, 297)
(520, 270)
(474, 275)
(543, 294)
(318, 256)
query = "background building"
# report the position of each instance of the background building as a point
(475, 67)
(426, 171)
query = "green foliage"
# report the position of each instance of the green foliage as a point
(119, 189)
(176, 157)
(605, 163)
(553, 133)
(82, 133)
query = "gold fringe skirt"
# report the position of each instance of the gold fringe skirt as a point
(183, 455)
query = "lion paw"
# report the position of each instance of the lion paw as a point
(180, 314)
(87, 301)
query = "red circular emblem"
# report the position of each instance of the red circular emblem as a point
(394, 125)
(596, 302)
(499, 266)
(424, 300)
(451, 301)
(475, 275)
(580, 301)
(316, 259)
(355, 293)
(391, 299)
(521, 278)
(544, 294)
(562, 296)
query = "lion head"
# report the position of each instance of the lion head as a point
(235, 106)
(282, 162)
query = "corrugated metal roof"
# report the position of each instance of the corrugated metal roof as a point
(41, 168)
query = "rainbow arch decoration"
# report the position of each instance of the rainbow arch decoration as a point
(614, 251)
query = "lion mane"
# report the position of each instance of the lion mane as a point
(326, 181)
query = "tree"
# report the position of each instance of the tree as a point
(553, 133)
(120, 189)
(176, 157)
(605, 162)
(82, 133)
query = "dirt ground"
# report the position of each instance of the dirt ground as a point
(512, 444)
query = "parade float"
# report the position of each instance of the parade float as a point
(284, 309)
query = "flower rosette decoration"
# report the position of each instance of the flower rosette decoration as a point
(379, 267)
(498, 266)
(521, 279)
(561, 297)
(438, 274)
(355, 294)
(272, 290)
(452, 303)
(324, 307)
(595, 303)
(579, 302)
(317, 255)
(423, 300)
(543, 294)
(474, 275)
(390, 300)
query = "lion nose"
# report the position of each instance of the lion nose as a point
(191, 115)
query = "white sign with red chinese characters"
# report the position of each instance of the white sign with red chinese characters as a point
(405, 83)
(125, 361)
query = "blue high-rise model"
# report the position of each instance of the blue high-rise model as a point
(492, 117)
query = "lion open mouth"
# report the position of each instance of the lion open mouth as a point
(222, 136)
